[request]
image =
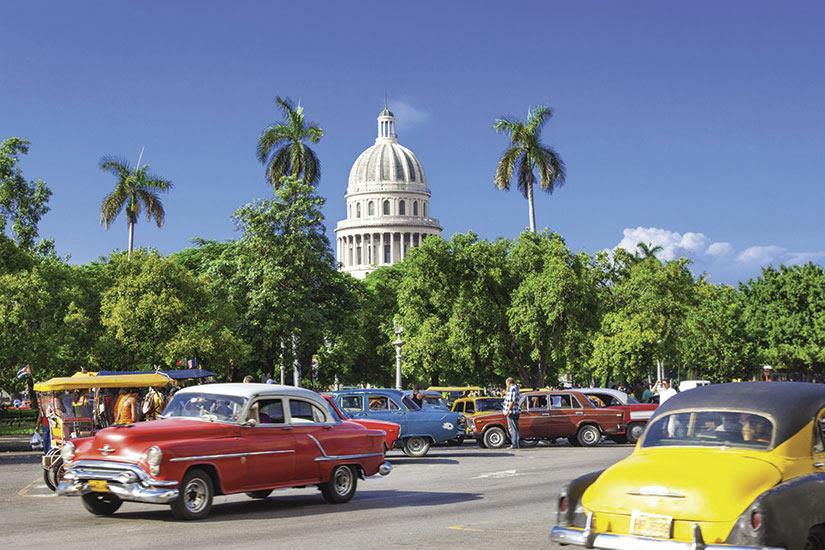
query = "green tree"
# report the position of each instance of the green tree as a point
(646, 307)
(281, 278)
(714, 343)
(526, 154)
(22, 203)
(785, 315)
(136, 190)
(282, 148)
(554, 307)
(156, 312)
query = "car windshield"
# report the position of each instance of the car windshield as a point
(204, 406)
(710, 429)
(487, 405)
(434, 401)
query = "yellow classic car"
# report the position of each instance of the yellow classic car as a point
(723, 466)
(477, 406)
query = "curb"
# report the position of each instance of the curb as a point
(15, 444)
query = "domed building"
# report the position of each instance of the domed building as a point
(388, 205)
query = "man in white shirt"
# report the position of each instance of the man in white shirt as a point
(665, 391)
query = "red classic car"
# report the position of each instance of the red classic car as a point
(391, 429)
(550, 415)
(636, 414)
(219, 439)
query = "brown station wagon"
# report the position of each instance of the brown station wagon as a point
(549, 415)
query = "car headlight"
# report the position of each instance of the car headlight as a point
(462, 420)
(154, 456)
(67, 452)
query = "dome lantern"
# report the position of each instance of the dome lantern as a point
(386, 126)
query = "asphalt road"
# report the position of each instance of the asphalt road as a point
(454, 498)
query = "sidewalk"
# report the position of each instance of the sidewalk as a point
(15, 443)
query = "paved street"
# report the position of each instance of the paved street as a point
(452, 498)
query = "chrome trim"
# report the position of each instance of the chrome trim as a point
(128, 482)
(228, 455)
(588, 539)
(652, 493)
(385, 468)
(346, 457)
(318, 444)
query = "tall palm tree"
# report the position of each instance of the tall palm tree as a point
(136, 190)
(527, 153)
(282, 148)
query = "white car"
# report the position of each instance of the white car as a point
(690, 384)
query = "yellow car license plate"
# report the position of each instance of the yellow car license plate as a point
(99, 485)
(651, 525)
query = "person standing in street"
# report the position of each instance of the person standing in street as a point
(512, 411)
(665, 391)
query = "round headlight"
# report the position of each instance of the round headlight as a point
(67, 452)
(154, 456)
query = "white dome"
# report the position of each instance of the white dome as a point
(386, 162)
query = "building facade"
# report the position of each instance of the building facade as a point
(388, 205)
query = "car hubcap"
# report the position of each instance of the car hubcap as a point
(195, 495)
(589, 436)
(416, 445)
(495, 438)
(636, 432)
(343, 481)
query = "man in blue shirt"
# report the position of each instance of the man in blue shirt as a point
(512, 412)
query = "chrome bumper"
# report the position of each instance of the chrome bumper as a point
(385, 468)
(588, 539)
(126, 481)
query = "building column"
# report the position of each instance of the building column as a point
(370, 258)
(381, 244)
(403, 246)
(392, 247)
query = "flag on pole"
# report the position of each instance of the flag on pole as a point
(191, 363)
(24, 371)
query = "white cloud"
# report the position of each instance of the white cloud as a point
(407, 114)
(674, 245)
(719, 249)
(719, 258)
(761, 254)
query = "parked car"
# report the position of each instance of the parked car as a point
(636, 414)
(549, 415)
(391, 429)
(420, 428)
(721, 466)
(220, 439)
(451, 393)
(477, 406)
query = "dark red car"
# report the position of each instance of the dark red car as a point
(549, 415)
(636, 414)
(390, 429)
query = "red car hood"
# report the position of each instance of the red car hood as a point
(129, 442)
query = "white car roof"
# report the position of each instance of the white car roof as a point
(620, 395)
(253, 390)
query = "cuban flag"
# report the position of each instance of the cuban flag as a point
(191, 363)
(24, 371)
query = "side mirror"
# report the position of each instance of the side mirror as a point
(250, 423)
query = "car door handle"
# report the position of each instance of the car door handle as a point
(819, 464)
(287, 428)
(327, 427)
(545, 414)
(579, 413)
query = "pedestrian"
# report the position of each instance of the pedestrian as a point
(248, 379)
(665, 391)
(647, 393)
(512, 411)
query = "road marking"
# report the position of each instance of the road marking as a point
(24, 492)
(498, 475)
(477, 530)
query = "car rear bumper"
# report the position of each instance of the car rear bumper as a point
(126, 481)
(589, 539)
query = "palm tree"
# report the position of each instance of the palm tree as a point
(136, 190)
(647, 250)
(281, 147)
(527, 153)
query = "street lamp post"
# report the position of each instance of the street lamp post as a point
(398, 343)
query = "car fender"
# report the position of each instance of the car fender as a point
(789, 510)
(574, 491)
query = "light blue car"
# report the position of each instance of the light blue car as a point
(420, 428)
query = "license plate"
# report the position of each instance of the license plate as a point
(651, 525)
(99, 485)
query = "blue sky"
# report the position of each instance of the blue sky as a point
(699, 126)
